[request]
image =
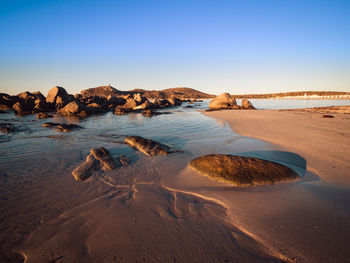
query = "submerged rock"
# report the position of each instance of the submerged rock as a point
(148, 146)
(61, 127)
(99, 158)
(7, 128)
(43, 115)
(240, 170)
(223, 101)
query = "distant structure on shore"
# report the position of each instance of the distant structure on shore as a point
(306, 95)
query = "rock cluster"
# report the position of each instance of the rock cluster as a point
(227, 101)
(147, 146)
(90, 101)
(242, 171)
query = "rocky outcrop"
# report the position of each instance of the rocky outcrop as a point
(98, 159)
(223, 101)
(148, 146)
(242, 171)
(247, 105)
(28, 103)
(61, 127)
(7, 101)
(58, 97)
(102, 91)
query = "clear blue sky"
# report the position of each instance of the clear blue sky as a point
(215, 46)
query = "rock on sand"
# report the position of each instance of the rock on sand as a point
(240, 170)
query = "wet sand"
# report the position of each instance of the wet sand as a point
(158, 210)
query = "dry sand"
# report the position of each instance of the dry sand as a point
(305, 221)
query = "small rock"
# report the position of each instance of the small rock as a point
(327, 116)
(84, 170)
(148, 146)
(43, 115)
(7, 128)
(119, 111)
(107, 162)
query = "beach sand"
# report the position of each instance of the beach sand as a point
(159, 210)
(306, 221)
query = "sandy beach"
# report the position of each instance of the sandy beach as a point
(306, 221)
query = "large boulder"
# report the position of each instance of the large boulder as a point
(7, 101)
(148, 146)
(115, 101)
(223, 101)
(247, 105)
(74, 108)
(30, 103)
(130, 104)
(58, 97)
(240, 170)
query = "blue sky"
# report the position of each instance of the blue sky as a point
(259, 46)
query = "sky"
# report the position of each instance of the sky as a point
(240, 47)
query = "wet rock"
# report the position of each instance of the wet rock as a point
(247, 105)
(223, 101)
(5, 107)
(43, 115)
(84, 170)
(107, 162)
(61, 127)
(148, 146)
(119, 111)
(74, 108)
(58, 97)
(149, 113)
(7, 128)
(327, 116)
(240, 170)
(99, 158)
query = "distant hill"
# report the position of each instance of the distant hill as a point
(292, 94)
(181, 93)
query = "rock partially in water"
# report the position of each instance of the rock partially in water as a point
(107, 162)
(247, 105)
(99, 158)
(7, 128)
(43, 115)
(147, 146)
(74, 108)
(84, 170)
(223, 101)
(242, 171)
(119, 111)
(61, 127)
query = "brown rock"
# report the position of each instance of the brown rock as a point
(61, 127)
(242, 171)
(43, 115)
(148, 146)
(223, 101)
(7, 128)
(107, 162)
(130, 103)
(84, 170)
(74, 108)
(58, 97)
(119, 111)
(247, 105)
